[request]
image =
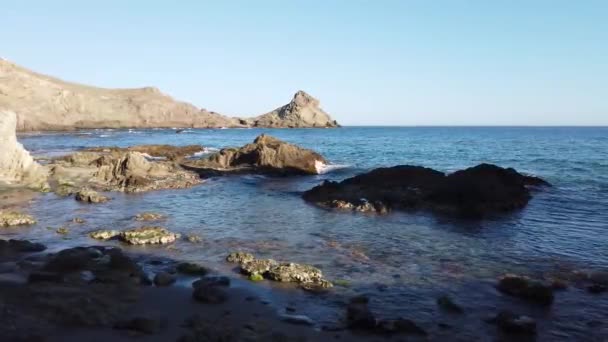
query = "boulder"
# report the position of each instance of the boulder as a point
(191, 268)
(148, 235)
(307, 276)
(265, 155)
(148, 216)
(526, 288)
(17, 167)
(473, 192)
(164, 279)
(13, 218)
(90, 196)
(119, 171)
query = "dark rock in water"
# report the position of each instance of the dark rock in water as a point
(400, 326)
(107, 265)
(359, 315)
(164, 279)
(212, 281)
(209, 293)
(473, 192)
(140, 324)
(597, 288)
(526, 288)
(513, 323)
(447, 304)
(42, 277)
(8, 247)
(266, 155)
(90, 196)
(191, 268)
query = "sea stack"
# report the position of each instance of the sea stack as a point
(303, 111)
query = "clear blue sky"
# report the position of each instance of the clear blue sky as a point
(369, 62)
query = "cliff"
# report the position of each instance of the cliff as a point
(17, 167)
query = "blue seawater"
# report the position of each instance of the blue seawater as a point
(403, 261)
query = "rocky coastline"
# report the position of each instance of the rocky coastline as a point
(101, 290)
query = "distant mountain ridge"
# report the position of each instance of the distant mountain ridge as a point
(45, 103)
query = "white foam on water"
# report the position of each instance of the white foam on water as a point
(206, 150)
(104, 135)
(323, 168)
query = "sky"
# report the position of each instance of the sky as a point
(376, 62)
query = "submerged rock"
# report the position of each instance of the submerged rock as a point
(473, 192)
(525, 288)
(13, 218)
(447, 304)
(359, 315)
(193, 238)
(149, 216)
(240, 257)
(90, 196)
(266, 155)
(148, 235)
(509, 322)
(104, 234)
(191, 268)
(144, 325)
(164, 279)
(209, 292)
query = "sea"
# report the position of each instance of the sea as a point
(402, 261)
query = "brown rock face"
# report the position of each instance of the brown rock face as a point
(473, 192)
(302, 111)
(160, 151)
(266, 154)
(119, 171)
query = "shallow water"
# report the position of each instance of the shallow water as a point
(403, 260)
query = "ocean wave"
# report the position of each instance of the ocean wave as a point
(323, 168)
(206, 150)
(104, 135)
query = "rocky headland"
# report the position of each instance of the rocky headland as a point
(45, 103)
(473, 192)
